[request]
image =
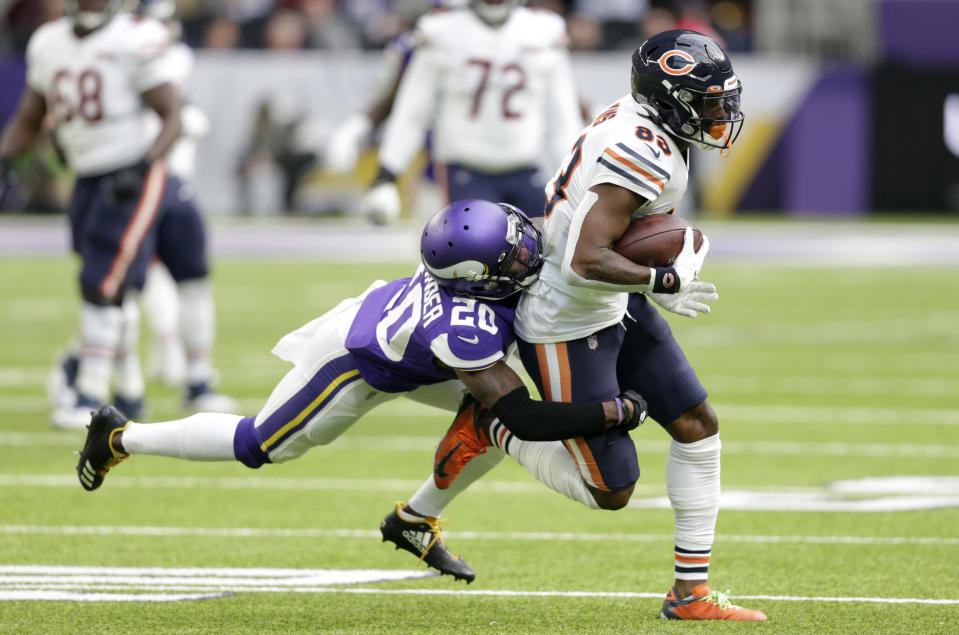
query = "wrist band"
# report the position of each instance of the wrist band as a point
(619, 409)
(665, 280)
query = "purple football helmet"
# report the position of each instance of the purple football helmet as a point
(476, 248)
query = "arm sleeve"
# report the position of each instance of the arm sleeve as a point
(412, 112)
(533, 420)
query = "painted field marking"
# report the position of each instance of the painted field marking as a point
(18, 582)
(729, 411)
(408, 443)
(928, 385)
(871, 494)
(539, 536)
(20, 595)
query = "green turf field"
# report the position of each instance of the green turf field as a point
(820, 377)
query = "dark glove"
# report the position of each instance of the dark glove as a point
(638, 416)
(126, 184)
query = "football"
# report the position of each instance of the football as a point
(655, 240)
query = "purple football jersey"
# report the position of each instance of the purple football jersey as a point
(403, 328)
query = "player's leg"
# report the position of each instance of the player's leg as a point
(181, 247)
(161, 306)
(62, 380)
(115, 243)
(414, 526)
(129, 389)
(576, 371)
(430, 500)
(652, 363)
(312, 405)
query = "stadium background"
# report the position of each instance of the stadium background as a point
(853, 107)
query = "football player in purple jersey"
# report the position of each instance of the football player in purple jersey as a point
(431, 337)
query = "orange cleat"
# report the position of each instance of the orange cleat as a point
(467, 437)
(706, 604)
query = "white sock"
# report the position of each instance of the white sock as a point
(161, 303)
(197, 324)
(430, 500)
(127, 372)
(100, 331)
(692, 483)
(549, 462)
(206, 436)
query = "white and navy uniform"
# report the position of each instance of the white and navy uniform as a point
(574, 341)
(92, 87)
(407, 338)
(500, 101)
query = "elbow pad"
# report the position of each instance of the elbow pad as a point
(532, 420)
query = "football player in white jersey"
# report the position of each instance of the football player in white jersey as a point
(494, 82)
(180, 313)
(101, 78)
(588, 327)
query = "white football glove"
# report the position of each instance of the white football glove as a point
(689, 262)
(690, 300)
(382, 203)
(346, 143)
(693, 294)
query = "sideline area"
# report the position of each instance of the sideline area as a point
(783, 242)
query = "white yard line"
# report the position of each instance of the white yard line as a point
(400, 443)
(538, 536)
(728, 411)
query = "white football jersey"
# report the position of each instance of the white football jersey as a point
(92, 87)
(622, 147)
(496, 98)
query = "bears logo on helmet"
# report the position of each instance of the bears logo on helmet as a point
(688, 81)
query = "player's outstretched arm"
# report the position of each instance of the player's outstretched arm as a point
(504, 392)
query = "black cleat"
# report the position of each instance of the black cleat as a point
(422, 539)
(98, 455)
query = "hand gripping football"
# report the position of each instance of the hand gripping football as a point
(655, 240)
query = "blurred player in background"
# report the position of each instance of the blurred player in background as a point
(160, 299)
(494, 82)
(354, 135)
(429, 337)
(102, 79)
(588, 328)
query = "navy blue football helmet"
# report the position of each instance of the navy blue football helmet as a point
(481, 249)
(688, 80)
